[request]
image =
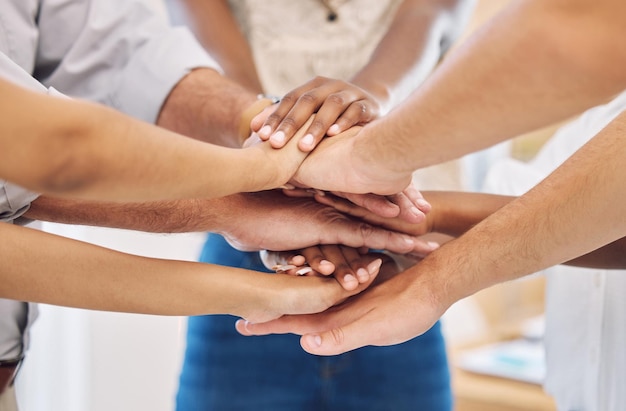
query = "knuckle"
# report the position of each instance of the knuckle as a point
(309, 98)
(288, 123)
(290, 98)
(337, 336)
(366, 230)
(336, 99)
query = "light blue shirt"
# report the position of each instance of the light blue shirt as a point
(121, 53)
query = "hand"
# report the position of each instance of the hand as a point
(409, 205)
(338, 105)
(270, 220)
(281, 294)
(387, 313)
(350, 266)
(398, 223)
(335, 166)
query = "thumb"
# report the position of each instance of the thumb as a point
(332, 342)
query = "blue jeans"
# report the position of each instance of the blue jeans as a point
(223, 370)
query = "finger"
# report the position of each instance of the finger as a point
(357, 263)
(364, 234)
(379, 205)
(358, 113)
(287, 324)
(343, 270)
(318, 260)
(424, 247)
(304, 107)
(331, 109)
(272, 116)
(416, 197)
(408, 210)
(259, 120)
(303, 192)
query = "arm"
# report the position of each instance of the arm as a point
(418, 36)
(560, 58)
(579, 208)
(455, 213)
(76, 274)
(244, 219)
(215, 27)
(85, 150)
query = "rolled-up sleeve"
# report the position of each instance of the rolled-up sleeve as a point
(14, 201)
(124, 54)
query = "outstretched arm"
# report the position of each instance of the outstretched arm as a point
(85, 150)
(244, 219)
(76, 274)
(455, 213)
(561, 58)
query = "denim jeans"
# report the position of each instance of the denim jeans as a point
(223, 370)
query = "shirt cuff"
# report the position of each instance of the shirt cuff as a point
(152, 74)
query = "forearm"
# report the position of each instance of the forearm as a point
(215, 27)
(419, 34)
(76, 274)
(207, 106)
(577, 209)
(177, 216)
(84, 150)
(502, 82)
(455, 213)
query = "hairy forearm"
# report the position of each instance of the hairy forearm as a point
(577, 209)
(560, 58)
(206, 106)
(419, 34)
(178, 216)
(455, 213)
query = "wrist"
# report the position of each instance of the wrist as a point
(263, 101)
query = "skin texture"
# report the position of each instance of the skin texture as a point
(84, 150)
(562, 57)
(76, 274)
(244, 219)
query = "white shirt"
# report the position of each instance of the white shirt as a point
(585, 336)
(121, 53)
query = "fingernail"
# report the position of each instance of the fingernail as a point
(374, 266)
(287, 186)
(278, 137)
(363, 275)
(334, 129)
(409, 240)
(350, 280)
(282, 268)
(308, 140)
(433, 244)
(265, 131)
(416, 211)
(314, 340)
(245, 325)
(422, 203)
(304, 271)
(326, 263)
